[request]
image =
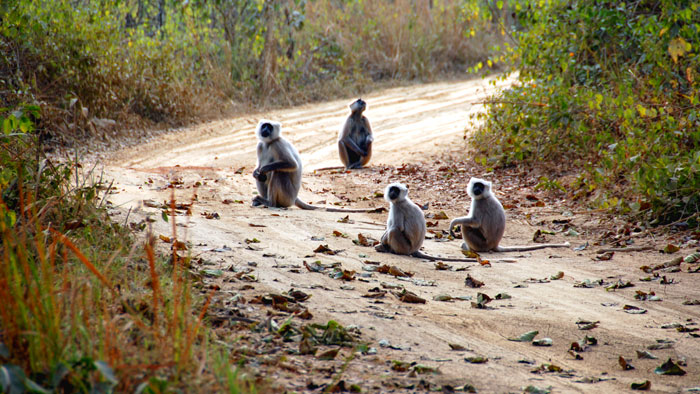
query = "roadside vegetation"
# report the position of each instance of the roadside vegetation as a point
(86, 306)
(612, 95)
(142, 63)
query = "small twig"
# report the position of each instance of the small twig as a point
(330, 168)
(372, 223)
(628, 249)
(106, 193)
(126, 220)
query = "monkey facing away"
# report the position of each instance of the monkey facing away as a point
(278, 172)
(355, 138)
(483, 228)
(405, 227)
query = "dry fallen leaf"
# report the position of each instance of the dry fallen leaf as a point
(473, 283)
(605, 256)
(624, 364)
(325, 250)
(409, 297)
(365, 240)
(394, 270)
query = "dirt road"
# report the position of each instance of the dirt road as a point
(414, 124)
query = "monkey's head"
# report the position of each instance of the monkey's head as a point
(395, 192)
(358, 106)
(268, 130)
(478, 188)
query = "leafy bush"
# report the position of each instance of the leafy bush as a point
(614, 89)
(141, 62)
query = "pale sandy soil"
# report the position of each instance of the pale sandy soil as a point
(411, 124)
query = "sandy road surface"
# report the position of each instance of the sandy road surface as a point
(410, 124)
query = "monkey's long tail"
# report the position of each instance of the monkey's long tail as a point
(310, 207)
(421, 255)
(529, 247)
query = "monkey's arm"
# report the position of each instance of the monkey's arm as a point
(285, 166)
(370, 138)
(256, 173)
(464, 220)
(350, 144)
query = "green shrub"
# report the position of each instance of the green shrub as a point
(142, 62)
(613, 88)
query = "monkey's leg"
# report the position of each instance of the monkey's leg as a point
(261, 198)
(384, 245)
(353, 153)
(365, 159)
(282, 192)
(474, 240)
(343, 151)
(398, 242)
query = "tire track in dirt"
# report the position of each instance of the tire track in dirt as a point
(410, 124)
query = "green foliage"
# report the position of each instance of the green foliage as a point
(141, 62)
(613, 88)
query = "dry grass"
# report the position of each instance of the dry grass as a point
(82, 305)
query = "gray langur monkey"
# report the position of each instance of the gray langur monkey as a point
(278, 172)
(483, 228)
(355, 138)
(405, 227)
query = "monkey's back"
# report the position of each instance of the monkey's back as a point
(493, 220)
(414, 224)
(287, 183)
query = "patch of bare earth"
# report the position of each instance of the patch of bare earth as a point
(419, 141)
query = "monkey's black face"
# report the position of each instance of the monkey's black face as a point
(394, 193)
(265, 130)
(478, 188)
(358, 106)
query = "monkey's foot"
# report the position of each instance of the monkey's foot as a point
(355, 166)
(465, 247)
(382, 248)
(258, 201)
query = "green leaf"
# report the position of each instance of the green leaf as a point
(34, 387)
(526, 337)
(12, 379)
(106, 371)
(678, 47)
(164, 215)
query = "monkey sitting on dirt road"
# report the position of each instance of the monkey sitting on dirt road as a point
(355, 138)
(483, 228)
(405, 227)
(278, 172)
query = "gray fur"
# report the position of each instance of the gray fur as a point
(355, 138)
(277, 187)
(278, 172)
(483, 228)
(405, 227)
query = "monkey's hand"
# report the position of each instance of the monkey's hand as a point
(259, 175)
(452, 232)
